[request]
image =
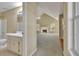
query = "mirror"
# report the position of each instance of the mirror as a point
(20, 21)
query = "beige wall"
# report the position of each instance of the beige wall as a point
(45, 21)
(65, 20)
(11, 17)
(30, 18)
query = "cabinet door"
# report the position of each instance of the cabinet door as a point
(13, 44)
(20, 46)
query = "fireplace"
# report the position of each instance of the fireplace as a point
(44, 31)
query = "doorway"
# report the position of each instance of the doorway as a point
(48, 41)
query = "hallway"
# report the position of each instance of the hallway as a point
(48, 45)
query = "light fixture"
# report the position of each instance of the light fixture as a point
(38, 18)
(19, 4)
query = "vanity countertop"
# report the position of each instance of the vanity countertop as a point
(17, 34)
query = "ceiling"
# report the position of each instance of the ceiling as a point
(51, 8)
(4, 6)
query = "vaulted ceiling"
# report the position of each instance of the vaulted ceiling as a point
(4, 6)
(51, 8)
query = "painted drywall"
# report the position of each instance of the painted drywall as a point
(30, 40)
(4, 6)
(70, 25)
(48, 21)
(51, 8)
(76, 28)
(0, 30)
(65, 20)
(11, 17)
(3, 26)
(20, 23)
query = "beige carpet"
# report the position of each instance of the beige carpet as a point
(48, 45)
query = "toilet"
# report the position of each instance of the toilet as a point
(3, 43)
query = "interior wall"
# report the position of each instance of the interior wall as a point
(31, 28)
(11, 17)
(3, 25)
(76, 27)
(20, 23)
(51, 8)
(30, 13)
(65, 20)
(46, 21)
(71, 26)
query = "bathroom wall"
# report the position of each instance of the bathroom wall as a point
(3, 26)
(11, 16)
(48, 21)
(20, 23)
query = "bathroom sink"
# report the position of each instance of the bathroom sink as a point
(17, 34)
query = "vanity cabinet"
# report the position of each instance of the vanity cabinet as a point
(15, 44)
(20, 46)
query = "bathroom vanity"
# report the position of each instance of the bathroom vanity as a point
(15, 42)
(15, 37)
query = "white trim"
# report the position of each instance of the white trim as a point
(33, 52)
(73, 52)
(24, 44)
(38, 18)
(70, 25)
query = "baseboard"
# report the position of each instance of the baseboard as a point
(14, 53)
(33, 52)
(73, 52)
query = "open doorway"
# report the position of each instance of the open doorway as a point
(48, 40)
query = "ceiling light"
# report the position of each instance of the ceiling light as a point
(19, 4)
(38, 17)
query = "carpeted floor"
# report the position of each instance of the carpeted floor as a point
(48, 45)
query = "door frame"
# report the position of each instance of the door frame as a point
(71, 33)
